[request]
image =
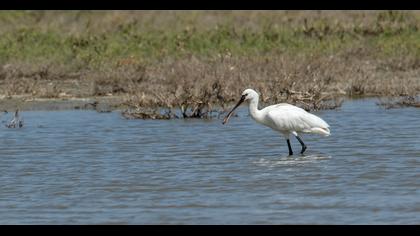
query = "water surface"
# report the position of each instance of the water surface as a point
(84, 167)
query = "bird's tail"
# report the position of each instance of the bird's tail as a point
(321, 131)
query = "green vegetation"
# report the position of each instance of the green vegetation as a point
(95, 39)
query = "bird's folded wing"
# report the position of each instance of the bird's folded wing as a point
(295, 119)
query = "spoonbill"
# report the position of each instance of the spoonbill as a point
(284, 118)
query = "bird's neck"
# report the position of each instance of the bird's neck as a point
(253, 109)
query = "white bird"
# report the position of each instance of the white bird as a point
(284, 118)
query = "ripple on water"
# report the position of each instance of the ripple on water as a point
(291, 160)
(83, 167)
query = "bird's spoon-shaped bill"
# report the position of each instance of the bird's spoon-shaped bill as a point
(226, 119)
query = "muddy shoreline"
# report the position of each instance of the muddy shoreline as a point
(27, 103)
(116, 103)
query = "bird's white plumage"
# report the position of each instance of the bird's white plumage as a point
(285, 118)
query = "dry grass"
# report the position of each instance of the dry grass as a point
(199, 87)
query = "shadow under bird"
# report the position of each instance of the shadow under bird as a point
(284, 118)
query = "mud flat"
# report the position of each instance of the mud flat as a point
(26, 103)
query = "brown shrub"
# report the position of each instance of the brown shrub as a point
(193, 87)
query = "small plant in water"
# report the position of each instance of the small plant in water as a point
(16, 122)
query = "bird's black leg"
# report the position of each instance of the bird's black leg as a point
(303, 144)
(290, 147)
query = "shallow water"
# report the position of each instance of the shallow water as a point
(84, 167)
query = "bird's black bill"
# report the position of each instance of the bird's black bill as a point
(225, 120)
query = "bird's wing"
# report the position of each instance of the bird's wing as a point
(292, 118)
(285, 117)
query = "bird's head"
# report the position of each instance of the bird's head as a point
(247, 95)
